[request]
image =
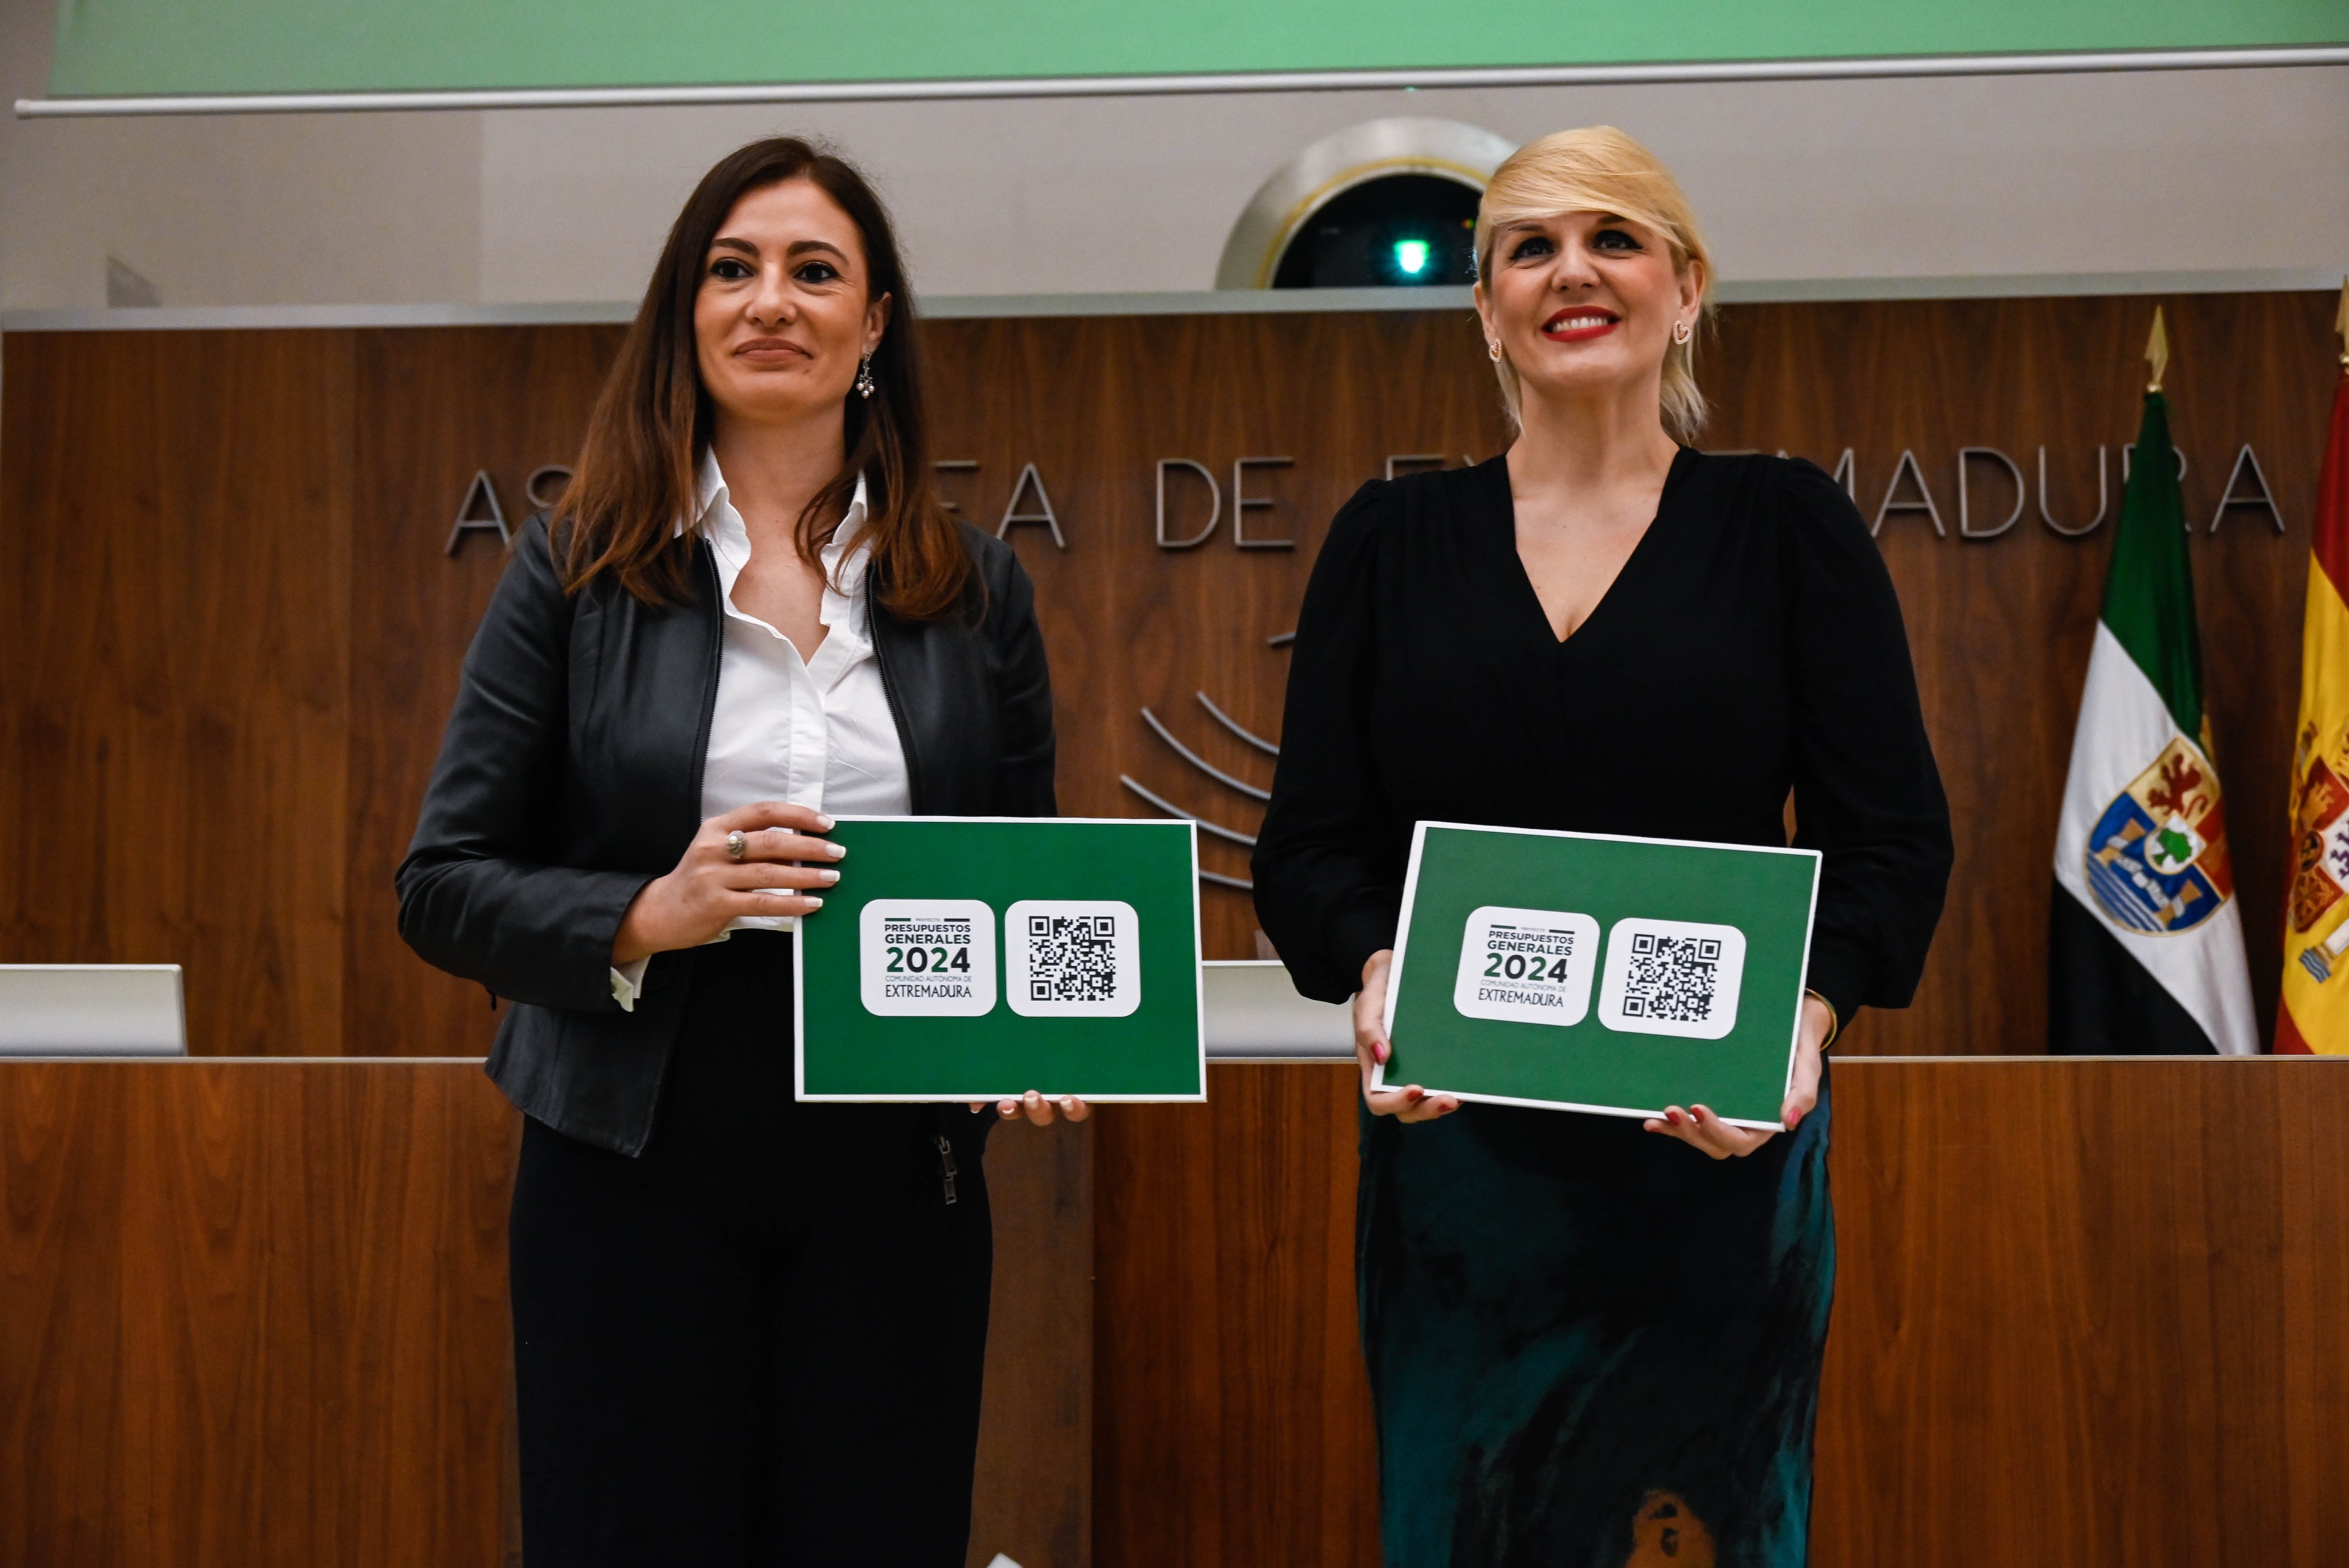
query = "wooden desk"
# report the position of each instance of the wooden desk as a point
(252, 1314)
(2089, 1313)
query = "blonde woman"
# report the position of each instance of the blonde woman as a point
(1594, 1341)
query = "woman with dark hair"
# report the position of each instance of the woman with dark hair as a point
(746, 1330)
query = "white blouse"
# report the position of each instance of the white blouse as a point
(816, 732)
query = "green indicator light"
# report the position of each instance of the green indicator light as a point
(1411, 255)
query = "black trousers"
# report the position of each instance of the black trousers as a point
(760, 1343)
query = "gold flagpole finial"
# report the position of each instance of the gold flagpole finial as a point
(2341, 325)
(2157, 351)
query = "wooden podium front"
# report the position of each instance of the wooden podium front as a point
(252, 1314)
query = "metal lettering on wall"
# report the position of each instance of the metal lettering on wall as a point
(1909, 491)
(543, 489)
(1190, 505)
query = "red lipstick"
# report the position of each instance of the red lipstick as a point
(1579, 323)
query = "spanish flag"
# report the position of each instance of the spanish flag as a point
(2314, 1015)
(2146, 951)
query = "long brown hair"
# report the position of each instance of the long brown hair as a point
(636, 474)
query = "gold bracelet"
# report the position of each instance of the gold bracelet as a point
(1835, 1025)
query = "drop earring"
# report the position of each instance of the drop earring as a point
(864, 377)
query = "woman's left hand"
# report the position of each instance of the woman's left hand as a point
(1698, 1127)
(1039, 1109)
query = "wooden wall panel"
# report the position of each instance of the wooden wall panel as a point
(1232, 1419)
(2001, 626)
(175, 560)
(2085, 1315)
(214, 481)
(1031, 1500)
(2073, 1323)
(442, 405)
(252, 1314)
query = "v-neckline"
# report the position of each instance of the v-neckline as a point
(1531, 596)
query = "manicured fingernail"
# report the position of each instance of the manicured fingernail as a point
(813, 902)
(1793, 1119)
(827, 876)
(835, 851)
(823, 823)
(1384, 1050)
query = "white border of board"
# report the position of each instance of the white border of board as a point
(1403, 937)
(1198, 981)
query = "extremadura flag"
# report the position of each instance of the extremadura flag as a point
(2146, 943)
(2314, 1015)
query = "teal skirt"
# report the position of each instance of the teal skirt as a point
(1591, 1345)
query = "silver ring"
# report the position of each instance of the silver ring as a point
(736, 843)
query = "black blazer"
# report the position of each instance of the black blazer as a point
(570, 776)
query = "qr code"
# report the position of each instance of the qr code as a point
(1671, 977)
(1072, 958)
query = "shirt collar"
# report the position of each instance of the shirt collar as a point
(848, 535)
(714, 513)
(709, 489)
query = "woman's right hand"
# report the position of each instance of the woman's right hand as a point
(1372, 1048)
(709, 888)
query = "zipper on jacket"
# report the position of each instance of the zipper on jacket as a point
(713, 657)
(946, 1165)
(916, 796)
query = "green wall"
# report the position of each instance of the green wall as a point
(127, 47)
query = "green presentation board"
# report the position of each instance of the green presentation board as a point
(980, 957)
(1586, 972)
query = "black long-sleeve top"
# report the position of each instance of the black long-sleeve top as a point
(1751, 644)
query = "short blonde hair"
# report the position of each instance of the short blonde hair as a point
(1599, 169)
